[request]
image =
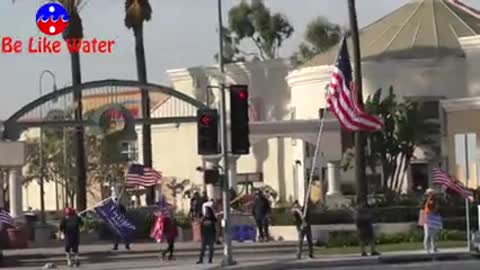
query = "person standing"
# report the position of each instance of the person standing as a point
(363, 221)
(304, 228)
(70, 227)
(261, 213)
(208, 232)
(431, 221)
(170, 233)
(117, 239)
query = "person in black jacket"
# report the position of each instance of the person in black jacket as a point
(117, 239)
(261, 213)
(208, 232)
(304, 228)
(364, 223)
(70, 227)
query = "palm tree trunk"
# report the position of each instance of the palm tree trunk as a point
(79, 134)
(360, 175)
(146, 128)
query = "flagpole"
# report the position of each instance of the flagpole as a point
(314, 163)
(467, 203)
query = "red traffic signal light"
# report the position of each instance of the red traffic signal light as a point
(239, 119)
(206, 120)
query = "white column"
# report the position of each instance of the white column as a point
(333, 174)
(232, 172)
(2, 183)
(15, 192)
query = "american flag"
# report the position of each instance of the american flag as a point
(341, 101)
(142, 176)
(5, 218)
(442, 178)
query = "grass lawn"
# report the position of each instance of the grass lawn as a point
(389, 248)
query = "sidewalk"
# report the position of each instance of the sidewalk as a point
(356, 260)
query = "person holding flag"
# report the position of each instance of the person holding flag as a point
(70, 227)
(117, 239)
(432, 221)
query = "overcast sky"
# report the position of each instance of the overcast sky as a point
(182, 33)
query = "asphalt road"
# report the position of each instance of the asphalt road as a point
(453, 265)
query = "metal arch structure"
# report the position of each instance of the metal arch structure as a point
(14, 125)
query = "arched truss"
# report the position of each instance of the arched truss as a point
(56, 108)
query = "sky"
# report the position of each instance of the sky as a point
(182, 33)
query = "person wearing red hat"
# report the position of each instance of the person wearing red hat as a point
(70, 227)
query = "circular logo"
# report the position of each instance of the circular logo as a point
(52, 19)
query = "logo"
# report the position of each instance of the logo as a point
(52, 19)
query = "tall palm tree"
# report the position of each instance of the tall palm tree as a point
(360, 175)
(74, 33)
(136, 13)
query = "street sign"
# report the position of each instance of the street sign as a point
(244, 178)
(12, 154)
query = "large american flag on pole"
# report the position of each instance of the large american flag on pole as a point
(341, 99)
(142, 176)
(442, 178)
(6, 219)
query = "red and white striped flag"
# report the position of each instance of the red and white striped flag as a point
(341, 101)
(142, 176)
(6, 219)
(442, 178)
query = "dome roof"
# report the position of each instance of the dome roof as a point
(419, 29)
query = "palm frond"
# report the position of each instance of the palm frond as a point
(137, 12)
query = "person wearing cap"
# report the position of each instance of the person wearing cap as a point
(430, 208)
(117, 239)
(70, 227)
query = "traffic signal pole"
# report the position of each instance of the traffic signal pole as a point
(227, 250)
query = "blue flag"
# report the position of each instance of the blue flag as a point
(118, 222)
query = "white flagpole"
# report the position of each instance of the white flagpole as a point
(99, 203)
(467, 202)
(314, 162)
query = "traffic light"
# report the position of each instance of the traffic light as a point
(239, 119)
(207, 132)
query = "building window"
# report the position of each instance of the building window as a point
(130, 151)
(430, 109)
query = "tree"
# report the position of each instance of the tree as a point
(136, 13)
(320, 36)
(73, 34)
(256, 23)
(405, 128)
(61, 170)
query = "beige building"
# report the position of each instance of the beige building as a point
(429, 49)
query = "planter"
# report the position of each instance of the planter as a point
(89, 237)
(185, 235)
(17, 238)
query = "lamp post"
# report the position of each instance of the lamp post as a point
(42, 166)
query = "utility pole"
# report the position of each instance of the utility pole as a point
(227, 250)
(360, 176)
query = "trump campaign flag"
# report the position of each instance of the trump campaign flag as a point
(118, 222)
(5, 218)
(341, 100)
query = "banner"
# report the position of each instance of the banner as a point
(118, 222)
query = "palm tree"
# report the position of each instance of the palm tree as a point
(74, 33)
(136, 13)
(361, 178)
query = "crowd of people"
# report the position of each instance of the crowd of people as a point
(203, 211)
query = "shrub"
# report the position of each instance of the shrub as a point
(350, 238)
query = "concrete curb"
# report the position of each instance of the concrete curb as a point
(354, 261)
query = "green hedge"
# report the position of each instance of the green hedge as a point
(349, 238)
(454, 216)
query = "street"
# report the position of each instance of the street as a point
(460, 265)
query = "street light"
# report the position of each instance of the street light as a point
(42, 166)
